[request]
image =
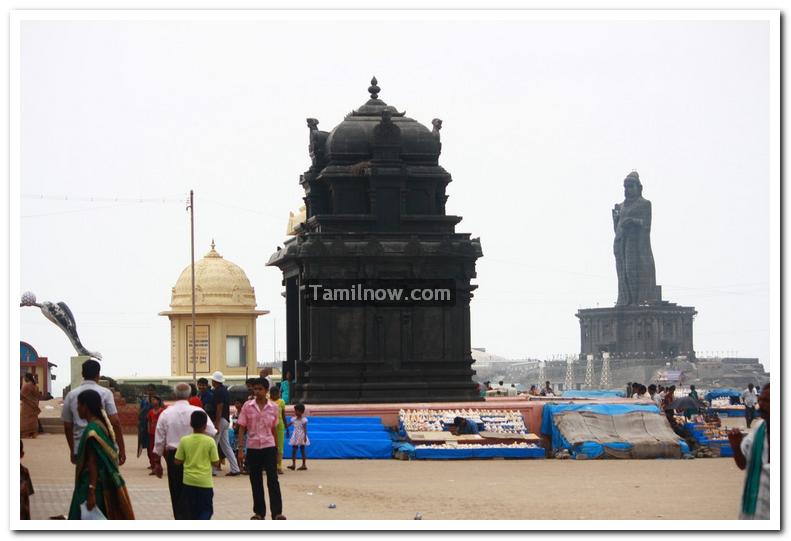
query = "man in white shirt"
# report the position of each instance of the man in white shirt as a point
(749, 398)
(266, 373)
(173, 424)
(659, 397)
(73, 425)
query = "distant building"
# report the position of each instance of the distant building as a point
(225, 324)
(31, 363)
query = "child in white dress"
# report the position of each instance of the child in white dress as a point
(299, 436)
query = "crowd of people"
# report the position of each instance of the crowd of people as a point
(192, 434)
(503, 389)
(197, 432)
(250, 437)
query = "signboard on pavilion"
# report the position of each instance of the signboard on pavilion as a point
(201, 348)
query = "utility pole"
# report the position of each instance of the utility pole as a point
(191, 208)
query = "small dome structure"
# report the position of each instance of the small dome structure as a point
(220, 286)
(225, 320)
(350, 141)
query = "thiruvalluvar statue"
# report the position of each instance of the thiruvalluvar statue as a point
(634, 260)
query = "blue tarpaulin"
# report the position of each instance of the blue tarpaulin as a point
(719, 393)
(346, 437)
(591, 449)
(592, 393)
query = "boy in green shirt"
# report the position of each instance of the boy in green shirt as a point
(198, 453)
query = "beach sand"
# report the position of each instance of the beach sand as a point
(395, 489)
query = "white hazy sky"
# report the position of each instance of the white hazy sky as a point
(542, 121)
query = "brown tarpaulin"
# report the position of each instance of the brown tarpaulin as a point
(649, 433)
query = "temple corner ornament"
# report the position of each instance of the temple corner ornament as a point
(60, 314)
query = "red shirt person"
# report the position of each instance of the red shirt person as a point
(152, 417)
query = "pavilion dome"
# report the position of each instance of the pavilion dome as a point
(220, 286)
(349, 141)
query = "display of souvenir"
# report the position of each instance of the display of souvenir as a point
(499, 421)
(480, 446)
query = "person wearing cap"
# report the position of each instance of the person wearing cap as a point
(221, 415)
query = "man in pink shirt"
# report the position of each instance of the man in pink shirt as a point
(258, 419)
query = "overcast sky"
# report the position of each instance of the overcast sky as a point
(542, 121)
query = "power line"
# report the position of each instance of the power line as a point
(72, 211)
(95, 199)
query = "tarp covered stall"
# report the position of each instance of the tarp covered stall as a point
(346, 437)
(611, 430)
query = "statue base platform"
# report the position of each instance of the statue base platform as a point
(76, 369)
(661, 329)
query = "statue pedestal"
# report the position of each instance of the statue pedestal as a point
(76, 369)
(654, 330)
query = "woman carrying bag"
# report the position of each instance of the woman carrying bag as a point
(99, 487)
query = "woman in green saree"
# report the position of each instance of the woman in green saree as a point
(98, 482)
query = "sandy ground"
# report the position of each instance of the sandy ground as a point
(394, 489)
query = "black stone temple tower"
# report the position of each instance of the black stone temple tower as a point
(375, 210)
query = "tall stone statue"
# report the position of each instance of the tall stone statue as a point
(634, 261)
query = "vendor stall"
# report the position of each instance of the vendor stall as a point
(610, 431)
(498, 434)
(709, 433)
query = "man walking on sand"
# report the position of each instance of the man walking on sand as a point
(221, 415)
(173, 424)
(749, 398)
(258, 419)
(73, 424)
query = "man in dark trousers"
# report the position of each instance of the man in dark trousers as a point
(258, 419)
(221, 415)
(750, 399)
(173, 424)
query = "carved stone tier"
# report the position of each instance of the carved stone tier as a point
(375, 210)
(655, 330)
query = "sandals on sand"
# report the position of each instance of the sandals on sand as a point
(302, 468)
